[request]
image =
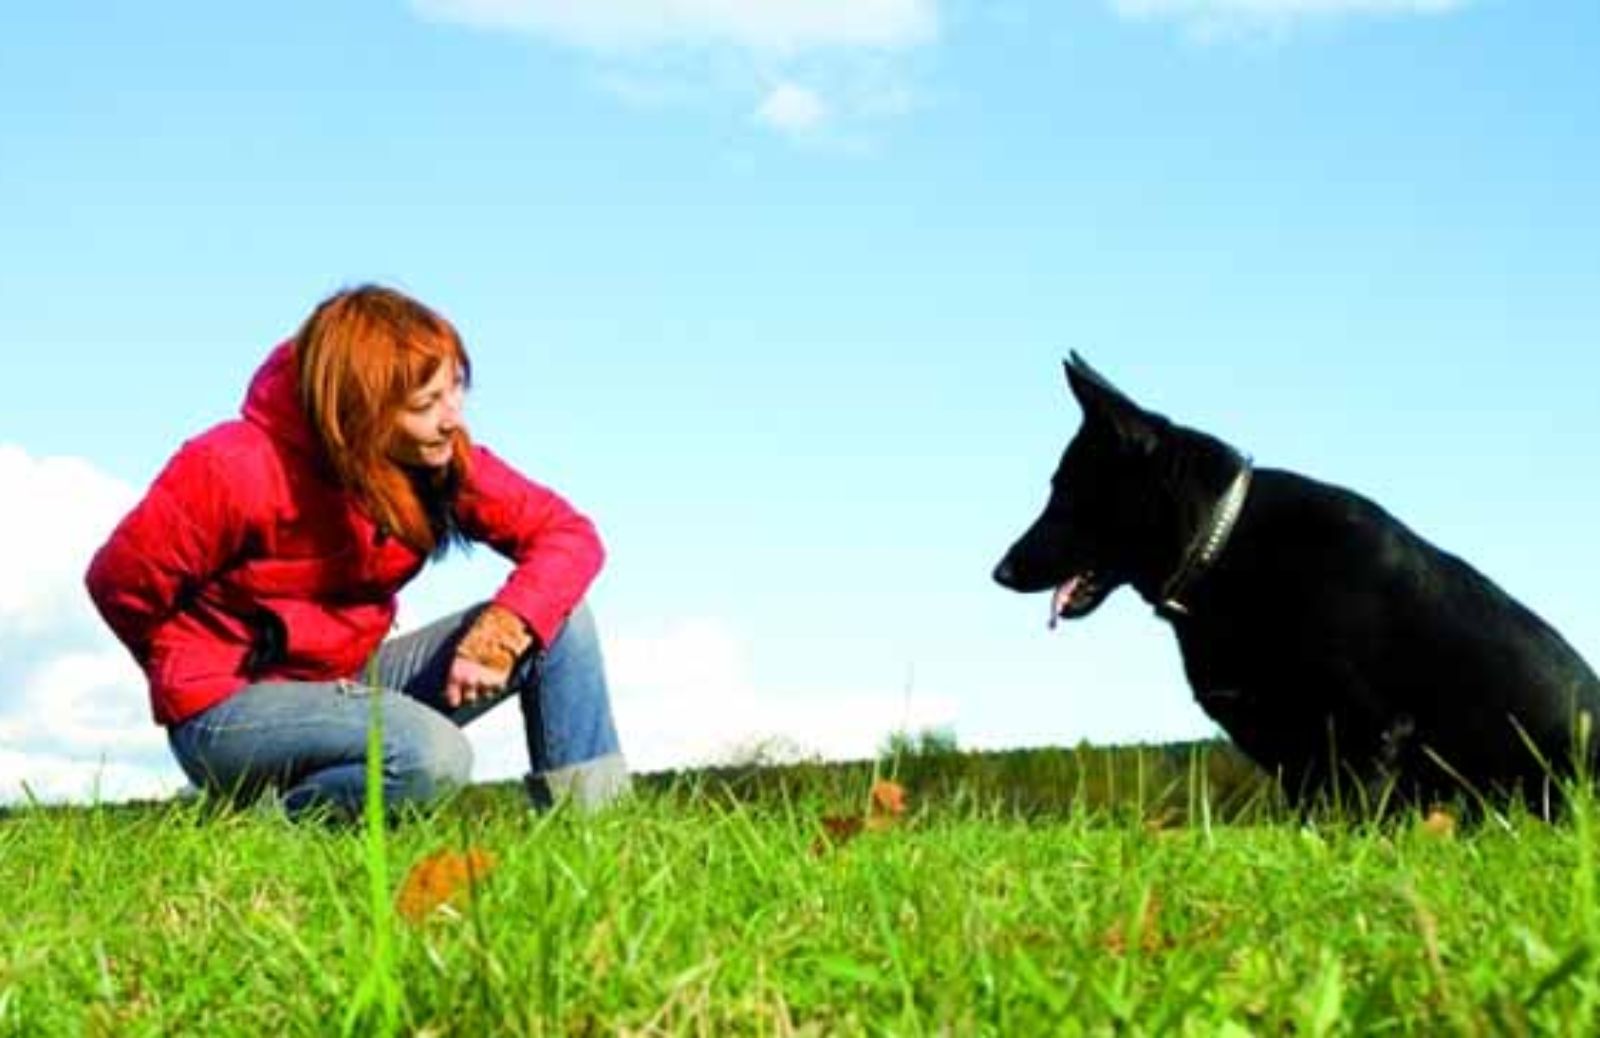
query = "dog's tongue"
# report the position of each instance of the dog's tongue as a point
(1061, 598)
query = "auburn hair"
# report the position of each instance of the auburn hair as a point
(360, 355)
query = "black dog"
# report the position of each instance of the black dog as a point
(1332, 643)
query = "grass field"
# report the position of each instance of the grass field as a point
(692, 910)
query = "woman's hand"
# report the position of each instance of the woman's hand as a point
(470, 682)
(485, 656)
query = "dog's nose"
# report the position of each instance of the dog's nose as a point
(1002, 573)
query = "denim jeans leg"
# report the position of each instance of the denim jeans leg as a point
(573, 748)
(573, 751)
(308, 742)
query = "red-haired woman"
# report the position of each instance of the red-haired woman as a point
(255, 582)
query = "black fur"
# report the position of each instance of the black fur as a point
(1331, 642)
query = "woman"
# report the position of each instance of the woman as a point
(256, 581)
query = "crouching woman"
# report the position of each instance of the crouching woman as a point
(255, 582)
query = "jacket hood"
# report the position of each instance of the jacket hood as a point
(273, 402)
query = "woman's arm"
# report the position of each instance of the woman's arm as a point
(184, 531)
(555, 548)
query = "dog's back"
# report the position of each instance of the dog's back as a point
(1326, 606)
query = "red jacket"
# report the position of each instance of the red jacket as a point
(246, 520)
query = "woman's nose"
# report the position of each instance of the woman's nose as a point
(451, 418)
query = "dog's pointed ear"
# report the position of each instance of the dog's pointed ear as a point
(1079, 369)
(1093, 390)
(1104, 403)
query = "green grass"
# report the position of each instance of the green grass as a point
(688, 911)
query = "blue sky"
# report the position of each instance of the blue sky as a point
(778, 292)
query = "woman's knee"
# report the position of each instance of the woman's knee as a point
(428, 760)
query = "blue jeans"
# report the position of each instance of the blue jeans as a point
(308, 739)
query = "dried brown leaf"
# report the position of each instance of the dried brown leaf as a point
(1439, 823)
(888, 798)
(439, 879)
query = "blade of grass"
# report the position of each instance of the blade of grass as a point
(378, 989)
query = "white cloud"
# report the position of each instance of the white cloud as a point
(65, 508)
(61, 778)
(683, 697)
(75, 699)
(792, 109)
(658, 55)
(74, 718)
(1218, 15)
(1286, 7)
(765, 25)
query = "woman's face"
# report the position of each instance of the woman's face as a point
(427, 419)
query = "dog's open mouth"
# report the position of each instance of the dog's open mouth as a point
(1075, 597)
